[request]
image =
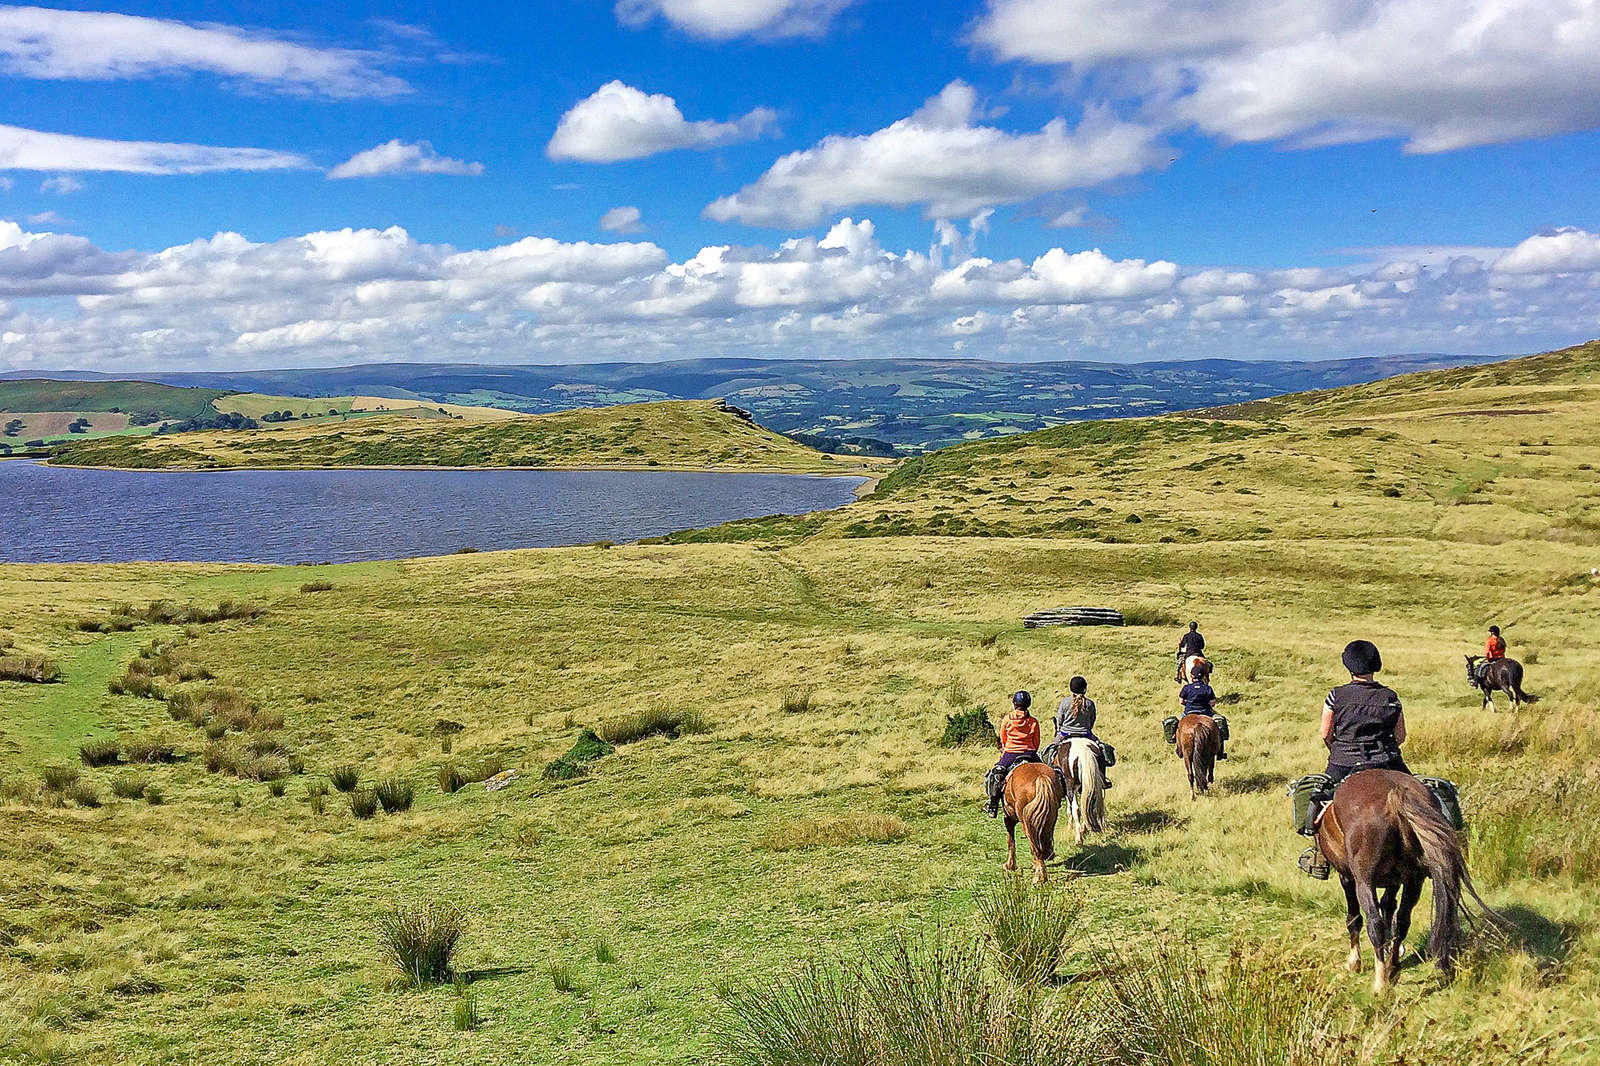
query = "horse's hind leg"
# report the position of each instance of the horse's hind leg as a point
(1391, 951)
(1377, 931)
(1352, 922)
(1011, 843)
(1410, 892)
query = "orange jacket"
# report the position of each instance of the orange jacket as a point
(1495, 648)
(1019, 731)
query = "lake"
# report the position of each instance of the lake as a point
(59, 514)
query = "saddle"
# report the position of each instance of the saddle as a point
(1108, 754)
(1312, 793)
(1169, 726)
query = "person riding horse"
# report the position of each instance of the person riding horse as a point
(1075, 718)
(1019, 742)
(1191, 643)
(1363, 727)
(1493, 649)
(1198, 697)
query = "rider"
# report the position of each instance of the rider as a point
(1019, 742)
(1363, 727)
(1198, 697)
(1075, 719)
(1191, 643)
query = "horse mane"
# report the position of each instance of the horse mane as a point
(1086, 768)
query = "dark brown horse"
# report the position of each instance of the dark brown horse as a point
(1199, 740)
(1498, 675)
(1032, 797)
(1384, 831)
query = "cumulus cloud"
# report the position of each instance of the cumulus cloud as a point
(48, 43)
(1313, 72)
(622, 220)
(402, 157)
(620, 122)
(61, 185)
(349, 295)
(940, 159)
(720, 20)
(23, 149)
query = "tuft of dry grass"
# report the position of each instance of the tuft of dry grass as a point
(830, 831)
(32, 669)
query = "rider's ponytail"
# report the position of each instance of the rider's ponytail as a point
(1076, 709)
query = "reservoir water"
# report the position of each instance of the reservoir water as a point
(59, 514)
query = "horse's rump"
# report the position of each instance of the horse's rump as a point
(1084, 767)
(1199, 741)
(1033, 797)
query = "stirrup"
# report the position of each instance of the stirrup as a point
(1313, 864)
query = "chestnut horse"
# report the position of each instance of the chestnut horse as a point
(1199, 740)
(1079, 764)
(1499, 675)
(1384, 830)
(1032, 797)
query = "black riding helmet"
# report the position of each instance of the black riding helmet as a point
(1022, 701)
(1078, 686)
(1495, 630)
(1361, 657)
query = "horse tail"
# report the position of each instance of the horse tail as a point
(1040, 816)
(1516, 685)
(1086, 767)
(1207, 742)
(1424, 829)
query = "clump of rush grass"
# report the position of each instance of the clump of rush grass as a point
(344, 778)
(1027, 927)
(317, 586)
(129, 786)
(1245, 1012)
(956, 693)
(100, 753)
(464, 1017)
(363, 803)
(420, 939)
(212, 704)
(798, 700)
(835, 831)
(58, 778)
(1149, 616)
(968, 727)
(82, 793)
(651, 722)
(150, 749)
(394, 795)
(450, 779)
(1546, 827)
(604, 953)
(154, 796)
(31, 669)
(587, 749)
(276, 788)
(561, 977)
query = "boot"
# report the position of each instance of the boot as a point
(992, 806)
(1313, 864)
(1222, 753)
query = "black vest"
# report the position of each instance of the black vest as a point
(1364, 717)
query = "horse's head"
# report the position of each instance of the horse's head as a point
(1472, 667)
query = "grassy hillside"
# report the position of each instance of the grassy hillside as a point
(128, 397)
(806, 805)
(698, 434)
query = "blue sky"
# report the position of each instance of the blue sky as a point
(1116, 179)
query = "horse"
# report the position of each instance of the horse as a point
(1032, 797)
(1198, 742)
(1079, 764)
(1195, 668)
(1384, 830)
(1502, 675)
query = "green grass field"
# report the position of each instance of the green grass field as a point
(614, 916)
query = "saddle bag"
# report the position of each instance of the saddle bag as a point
(1108, 753)
(1222, 725)
(1169, 726)
(1304, 791)
(1449, 800)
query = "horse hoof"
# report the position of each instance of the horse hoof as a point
(1353, 963)
(1009, 867)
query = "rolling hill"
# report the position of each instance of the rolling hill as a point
(778, 791)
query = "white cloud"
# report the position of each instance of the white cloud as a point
(48, 43)
(23, 149)
(5, 184)
(620, 122)
(402, 157)
(939, 159)
(622, 220)
(46, 218)
(61, 185)
(1313, 72)
(720, 20)
(347, 296)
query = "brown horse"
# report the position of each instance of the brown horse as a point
(1384, 830)
(1499, 675)
(1032, 797)
(1199, 740)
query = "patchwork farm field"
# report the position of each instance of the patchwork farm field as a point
(797, 802)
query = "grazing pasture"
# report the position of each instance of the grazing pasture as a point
(774, 804)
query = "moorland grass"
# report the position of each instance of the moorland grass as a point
(420, 939)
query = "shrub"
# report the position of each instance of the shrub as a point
(83, 794)
(797, 700)
(128, 786)
(836, 830)
(154, 796)
(575, 763)
(151, 750)
(966, 727)
(1027, 928)
(57, 778)
(344, 778)
(450, 779)
(363, 803)
(34, 669)
(650, 722)
(316, 586)
(100, 753)
(395, 795)
(420, 939)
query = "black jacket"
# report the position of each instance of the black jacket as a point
(1364, 718)
(1191, 644)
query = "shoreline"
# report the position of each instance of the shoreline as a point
(867, 474)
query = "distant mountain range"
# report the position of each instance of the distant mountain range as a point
(871, 405)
